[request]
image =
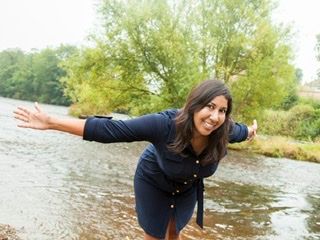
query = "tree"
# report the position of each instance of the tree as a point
(47, 73)
(154, 51)
(13, 69)
(34, 76)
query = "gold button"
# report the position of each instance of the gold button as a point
(197, 162)
(177, 190)
(172, 206)
(195, 175)
(185, 182)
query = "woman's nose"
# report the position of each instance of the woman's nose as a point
(214, 116)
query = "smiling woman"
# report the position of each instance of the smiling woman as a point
(186, 146)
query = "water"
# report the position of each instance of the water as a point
(57, 186)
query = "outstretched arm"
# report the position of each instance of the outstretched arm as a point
(240, 132)
(37, 119)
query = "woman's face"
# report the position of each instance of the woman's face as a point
(210, 117)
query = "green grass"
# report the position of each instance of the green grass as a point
(276, 146)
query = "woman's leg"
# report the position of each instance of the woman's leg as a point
(171, 233)
(149, 237)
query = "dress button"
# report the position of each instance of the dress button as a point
(173, 193)
(172, 206)
(177, 191)
(195, 175)
(185, 182)
(197, 162)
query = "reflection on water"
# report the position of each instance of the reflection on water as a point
(56, 186)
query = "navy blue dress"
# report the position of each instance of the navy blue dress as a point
(166, 184)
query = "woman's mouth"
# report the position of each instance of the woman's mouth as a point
(209, 126)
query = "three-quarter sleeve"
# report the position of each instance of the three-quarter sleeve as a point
(238, 132)
(149, 127)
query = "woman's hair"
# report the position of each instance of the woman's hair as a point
(198, 98)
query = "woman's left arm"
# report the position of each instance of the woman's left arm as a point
(240, 132)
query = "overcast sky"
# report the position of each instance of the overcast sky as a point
(304, 17)
(28, 24)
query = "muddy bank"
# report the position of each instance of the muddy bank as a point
(8, 233)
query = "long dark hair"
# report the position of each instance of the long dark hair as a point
(198, 98)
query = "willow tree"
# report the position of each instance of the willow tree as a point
(154, 51)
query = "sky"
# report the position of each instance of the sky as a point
(304, 17)
(28, 24)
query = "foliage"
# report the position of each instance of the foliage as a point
(292, 98)
(33, 76)
(152, 52)
(301, 122)
(276, 146)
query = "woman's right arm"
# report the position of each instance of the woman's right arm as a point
(40, 120)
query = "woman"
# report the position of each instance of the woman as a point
(186, 146)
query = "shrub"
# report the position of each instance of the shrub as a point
(300, 122)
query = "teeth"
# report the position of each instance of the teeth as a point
(208, 125)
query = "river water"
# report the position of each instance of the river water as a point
(57, 186)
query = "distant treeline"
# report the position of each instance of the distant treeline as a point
(35, 75)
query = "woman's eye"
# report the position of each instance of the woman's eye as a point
(210, 106)
(223, 110)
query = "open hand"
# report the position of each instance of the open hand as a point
(32, 119)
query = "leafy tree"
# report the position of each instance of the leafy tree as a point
(292, 97)
(47, 73)
(34, 76)
(152, 52)
(13, 66)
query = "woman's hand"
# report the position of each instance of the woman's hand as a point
(32, 119)
(252, 130)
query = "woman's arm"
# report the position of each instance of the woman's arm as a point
(240, 132)
(40, 120)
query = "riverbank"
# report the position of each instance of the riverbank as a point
(8, 233)
(281, 147)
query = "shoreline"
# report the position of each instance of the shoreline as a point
(280, 147)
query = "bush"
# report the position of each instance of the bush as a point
(309, 128)
(273, 122)
(300, 122)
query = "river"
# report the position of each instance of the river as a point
(56, 186)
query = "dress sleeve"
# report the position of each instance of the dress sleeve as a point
(145, 128)
(238, 132)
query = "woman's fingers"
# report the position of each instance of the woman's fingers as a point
(36, 105)
(24, 115)
(252, 130)
(255, 127)
(20, 117)
(21, 114)
(255, 124)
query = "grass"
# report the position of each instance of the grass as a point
(277, 146)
